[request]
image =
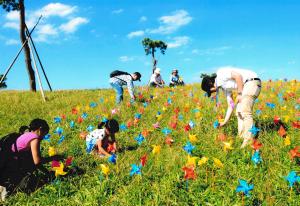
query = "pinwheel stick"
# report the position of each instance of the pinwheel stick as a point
(243, 199)
(187, 185)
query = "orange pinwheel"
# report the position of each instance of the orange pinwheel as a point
(143, 160)
(189, 173)
(169, 141)
(294, 152)
(256, 145)
(282, 131)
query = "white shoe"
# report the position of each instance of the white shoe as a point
(3, 193)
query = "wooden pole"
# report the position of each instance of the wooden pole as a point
(37, 71)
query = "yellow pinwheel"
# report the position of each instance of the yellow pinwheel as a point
(193, 138)
(228, 146)
(51, 151)
(218, 163)
(59, 171)
(191, 161)
(105, 169)
(202, 161)
(156, 149)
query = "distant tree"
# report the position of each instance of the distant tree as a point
(208, 75)
(150, 47)
(3, 84)
(18, 5)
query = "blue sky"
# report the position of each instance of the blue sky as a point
(81, 42)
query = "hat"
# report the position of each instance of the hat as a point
(157, 71)
(138, 75)
(206, 85)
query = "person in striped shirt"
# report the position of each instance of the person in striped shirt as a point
(119, 79)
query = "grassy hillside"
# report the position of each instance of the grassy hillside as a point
(162, 179)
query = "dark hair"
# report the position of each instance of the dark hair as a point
(138, 75)
(207, 83)
(112, 125)
(35, 125)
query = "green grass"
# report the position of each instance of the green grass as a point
(161, 182)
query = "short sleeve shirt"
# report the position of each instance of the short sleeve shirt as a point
(94, 136)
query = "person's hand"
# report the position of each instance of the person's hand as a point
(222, 124)
(239, 98)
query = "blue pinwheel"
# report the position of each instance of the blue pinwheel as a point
(166, 131)
(93, 104)
(90, 128)
(196, 110)
(135, 170)
(244, 187)
(189, 147)
(254, 130)
(72, 124)
(216, 124)
(270, 105)
(140, 139)
(258, 112)
(123, 127)
(104, 119)
(191, 94)
(47, 137)
(84, 115)
(137, 116)
(297, 106)
(158, 113)
(61, 139)
(90, 145)
(169, 101)
(192, 124)
(292, 178)
(58, 131)
(180, 117)
(256, 158)
(57, 120)
(145, 104)
(112, 159)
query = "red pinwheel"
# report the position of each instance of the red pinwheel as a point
(169, 141)
(294, 152)
(129, 123)
(69, 161)
(221, 137)
(177, 110)
(111, 148)
(79, 120)
(63, 117)
(296, 124)
(282, 131)
(256, 145)
(276, 119)
(189, 172)
(173, 125)
(187, 128)
(74, 111)
(55, 163)
(143, 160)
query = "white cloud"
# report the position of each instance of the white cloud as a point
(213, 51)
(47, 29)
(178, 42)
(12, 42)
(136, 34)
(117, 11)
(13, 16)
(11, 25)
(143, 19)
(73, 24)
(56, 9)
(171, 23)
(126, 58)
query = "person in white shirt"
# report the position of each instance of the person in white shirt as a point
(248, 87)
(156, 79)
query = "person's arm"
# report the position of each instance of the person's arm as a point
(171, 80)
(113, 138)
(229, 111)
(239, 81)
(130, 88)
(101, 150)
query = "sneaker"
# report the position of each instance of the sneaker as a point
(3, 193)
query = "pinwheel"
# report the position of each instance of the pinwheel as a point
(258, 112)
(105, 169)
(276, 119)
(143, 160)
(93, 104)
(140, 139)
(180, 117)
(145, 104)
(114, 111)
(72, 124)
(169, 141)
(202, 161)
(59, 171)
(166, 131)
(74, 111)
(69, 161)
(192, 124)
(216, 124)
(129, 123)
(287, 141)
(189, 172)
(90, 145)
(57, 120)
(221, 137)
(254, 130)
(58, 131)
(296, 124)
(111, 148)
(294, 152)
(173, 125)
(79, 120)
(256, 145)
(135, 170)
(101, 100)
(83, 135)
(84, 115)
(55, 163)
(282, 131)
(156, 149)
(61, 139)
(189, 147)
(90, 128)
(244, 187)
(123, 127)
(193, 138)
(177, 110)
(218, 163)
(228, 146)
(51, 151)
(145, 133)
(156, 125)
(292, 178)
(112, 159)
(187, 128)
(137, 116)
(47, 137)
(256, 158)
(191, 161)
(270, 105)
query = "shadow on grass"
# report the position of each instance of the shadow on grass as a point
(128, 148)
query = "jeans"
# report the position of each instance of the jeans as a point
(119, 90)
(244, 109)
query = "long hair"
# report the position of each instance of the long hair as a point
(35, 125)
(111, 125)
